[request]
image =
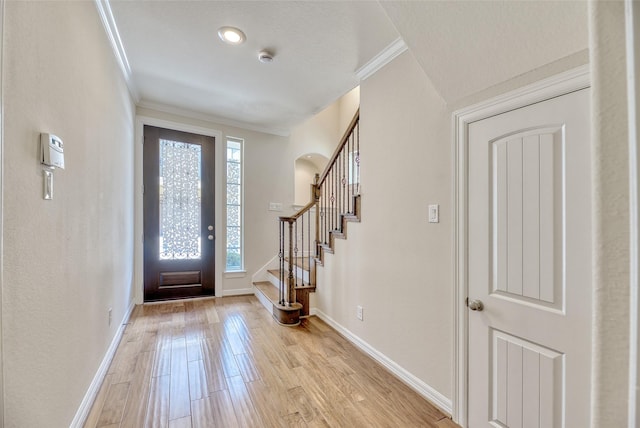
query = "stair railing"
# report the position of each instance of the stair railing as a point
(338, 187)
(308, 233)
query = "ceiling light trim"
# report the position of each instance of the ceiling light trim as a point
(164, 108)
(110, 27)
(387, 55)
(222, 33)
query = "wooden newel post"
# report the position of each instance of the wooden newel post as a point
(291, 290)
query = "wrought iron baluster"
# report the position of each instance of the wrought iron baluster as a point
(326, 213)
(344, 181)
(351, 172)
(331, 228)
(309, 245)
(333, 199)
(281, 255)
(358, 156)
(295, 259)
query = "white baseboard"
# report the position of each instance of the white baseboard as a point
(92, 392)
(238, 292)
(401, 373)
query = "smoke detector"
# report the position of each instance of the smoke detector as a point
(265, 56)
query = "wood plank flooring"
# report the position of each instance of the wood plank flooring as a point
(225, 362)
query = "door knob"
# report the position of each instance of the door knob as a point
(210, 227)
(475, 305)
(210, 237)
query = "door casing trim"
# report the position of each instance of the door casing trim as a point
(561, 84)
(632, 24)
(2, 27)
(138, 228)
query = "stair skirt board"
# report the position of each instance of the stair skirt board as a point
(263, 299)
(401, 373)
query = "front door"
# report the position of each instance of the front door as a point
(178, 170)
(529, 237)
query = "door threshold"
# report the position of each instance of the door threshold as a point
(178, 299)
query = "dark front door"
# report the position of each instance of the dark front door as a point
(178, 170)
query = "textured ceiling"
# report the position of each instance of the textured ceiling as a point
(464, 47)
(177, 59)
(467, 46)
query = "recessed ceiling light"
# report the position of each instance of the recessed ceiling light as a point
(231, 35)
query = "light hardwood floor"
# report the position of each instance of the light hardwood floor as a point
(225, 362)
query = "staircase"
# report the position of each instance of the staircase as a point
(284, 285)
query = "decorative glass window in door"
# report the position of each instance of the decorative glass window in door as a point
(180, 200)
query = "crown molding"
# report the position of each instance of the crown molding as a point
(164, 108)
(387, 55)
(110, 27)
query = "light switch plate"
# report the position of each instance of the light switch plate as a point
(275, 206)
(434, 213)
(48, 184)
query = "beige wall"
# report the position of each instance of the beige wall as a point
(68, 260)
(267, 179)
(319, 135)
(348, 105)
(610, 215)
(394, 263)
(305, 172)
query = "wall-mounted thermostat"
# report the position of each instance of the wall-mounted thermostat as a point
(51, 151)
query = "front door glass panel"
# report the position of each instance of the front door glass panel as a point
(180, 200)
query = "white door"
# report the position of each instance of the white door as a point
(529, 226)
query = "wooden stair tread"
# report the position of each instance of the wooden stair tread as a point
(268, 289)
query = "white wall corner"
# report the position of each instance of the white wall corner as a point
(401, 373)
(387, 55)
(94, 387)
(110, 27)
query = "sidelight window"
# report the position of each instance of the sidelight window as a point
(235, 196)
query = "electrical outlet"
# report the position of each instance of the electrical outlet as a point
(110, 311)
(359, 312)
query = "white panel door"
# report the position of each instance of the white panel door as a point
(529, 227)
